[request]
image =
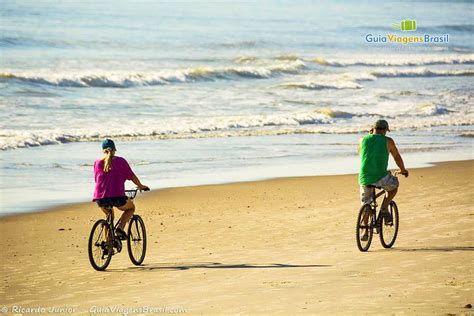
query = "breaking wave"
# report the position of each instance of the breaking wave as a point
(431, 109)
(191, 128)
(113, 80)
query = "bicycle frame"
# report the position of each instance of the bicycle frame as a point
(373, 205)
(371, 220)
(110, 218)
(103, 243)
(110, 215)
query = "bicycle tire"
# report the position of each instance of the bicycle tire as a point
(360, 227)
(97, 244)
(391, 231)
(136, 244)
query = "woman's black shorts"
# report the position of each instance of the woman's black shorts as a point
(114, 201)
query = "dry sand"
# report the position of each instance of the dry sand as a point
(282, 246)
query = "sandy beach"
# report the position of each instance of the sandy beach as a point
(281, 246)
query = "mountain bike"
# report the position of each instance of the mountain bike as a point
(104, 243)
(370, 219)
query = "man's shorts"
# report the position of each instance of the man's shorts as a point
(114, 201)
(388, 183)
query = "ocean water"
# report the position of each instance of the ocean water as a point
(210, 92)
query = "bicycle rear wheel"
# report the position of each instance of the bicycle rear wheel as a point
(136, 240)
(364, 228)
(99, 247)
(389, 233)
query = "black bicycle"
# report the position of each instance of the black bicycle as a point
(370, 219)
(103, 242)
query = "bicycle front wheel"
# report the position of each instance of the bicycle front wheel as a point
(136, 240)
(389, 232)
(364, 228)
(99, 248)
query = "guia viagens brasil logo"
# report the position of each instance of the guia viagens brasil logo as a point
(407, 25)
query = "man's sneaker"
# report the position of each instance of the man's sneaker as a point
(106, 249)
(387, 216)
(119, 233)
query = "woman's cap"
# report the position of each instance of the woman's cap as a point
(108, 143)
(381, 124)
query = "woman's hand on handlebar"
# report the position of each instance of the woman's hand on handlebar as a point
(142, 187)
(139, 185)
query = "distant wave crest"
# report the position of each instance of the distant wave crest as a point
(321, 85)
(397, 61)
(420, 72)
(451, 27)
(371, 61)
(10, 41)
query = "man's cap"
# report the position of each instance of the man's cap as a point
(108, 143)
(381, 124)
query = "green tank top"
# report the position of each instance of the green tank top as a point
(373, 159)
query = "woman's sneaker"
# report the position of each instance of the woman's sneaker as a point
(119, 233)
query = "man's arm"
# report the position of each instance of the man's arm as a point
(396, 156)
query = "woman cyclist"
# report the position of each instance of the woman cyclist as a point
(110, 174)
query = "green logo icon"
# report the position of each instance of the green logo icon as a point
(405, 25)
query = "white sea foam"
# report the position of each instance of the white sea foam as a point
(175, 128)
(322, 120)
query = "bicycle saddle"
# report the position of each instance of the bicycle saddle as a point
(107, 205)
(373, 186)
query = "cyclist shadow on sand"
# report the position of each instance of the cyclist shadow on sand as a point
(436, 249)
(215, 265)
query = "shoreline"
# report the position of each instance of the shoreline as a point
(190, 162)
(153, 191)
(283, 246)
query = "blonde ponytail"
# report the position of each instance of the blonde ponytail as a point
(109, 154)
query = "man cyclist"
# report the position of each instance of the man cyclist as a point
(374, 150)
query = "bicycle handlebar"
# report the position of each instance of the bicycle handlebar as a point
(133, 192)
(402, 173)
